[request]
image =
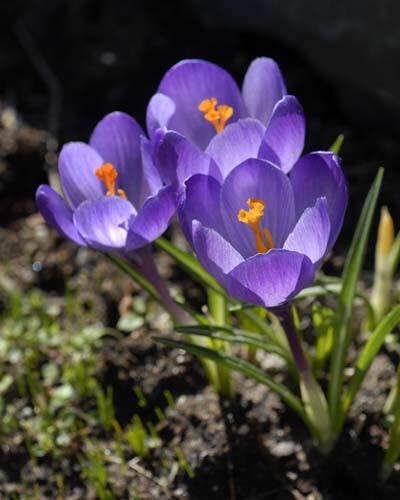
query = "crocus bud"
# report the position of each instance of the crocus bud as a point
(385, 235)
(383, 275)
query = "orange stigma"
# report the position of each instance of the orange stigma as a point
(252, 217)
(217, 115)
(108, 175)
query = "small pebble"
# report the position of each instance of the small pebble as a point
(283, 449)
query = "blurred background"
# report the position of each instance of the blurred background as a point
(66, 63)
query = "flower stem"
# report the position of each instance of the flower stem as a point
(148, 269)
(313, 398)
(144, 272)
(219, 312)
(285, 316)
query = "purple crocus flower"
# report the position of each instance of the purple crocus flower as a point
(198, 99)
(280, 141)
(259, 218)
(114, 198)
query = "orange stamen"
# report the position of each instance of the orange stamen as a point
(252, 217)
(107, 174)
(217, 115)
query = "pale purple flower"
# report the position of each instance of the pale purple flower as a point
(198, 99)
(114, 199)
(259, 217)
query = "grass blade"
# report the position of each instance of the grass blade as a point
(393, 451)
(337, 145)
(350, 277)
(237, 337)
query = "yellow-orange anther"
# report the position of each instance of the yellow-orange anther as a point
(252, 217)
(217, 115)
(108, 175)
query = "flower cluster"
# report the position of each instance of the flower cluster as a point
(259, 216)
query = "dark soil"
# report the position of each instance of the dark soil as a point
(251, 447)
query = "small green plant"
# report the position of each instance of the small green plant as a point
(137, 436)
(184, 463)
(105, 406)
(94, 469)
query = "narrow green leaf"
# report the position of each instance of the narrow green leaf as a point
(190, 264)
(337, 145)
(393, 451)
(236, 337)
(204, 329)
(352, 268)
(367, 356)
(243, 367)
(239, 306)
(320, 290)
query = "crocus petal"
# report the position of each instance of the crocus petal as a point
(263, 87)
(117, 139)
(257, 179)
(152, 219)
(57, 213)
(103, 222)
(199, 199)
(151, 182)
(275, 277)
(310, 235)
(77, 164)
(283, 142)
(159, 112)
(238, 142)
(217, 256)
(178, 159)
(319, 175)
(188, 83)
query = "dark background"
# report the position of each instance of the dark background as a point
(66, 63)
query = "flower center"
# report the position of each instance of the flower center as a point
(108, 174)
(217, 115)
(252, 217)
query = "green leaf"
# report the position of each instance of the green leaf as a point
(352, 268)
(393, 450)
(191, 265)
(320, 290)
(235, 336)
(243, 367)
(337, 145)
(367, 356)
